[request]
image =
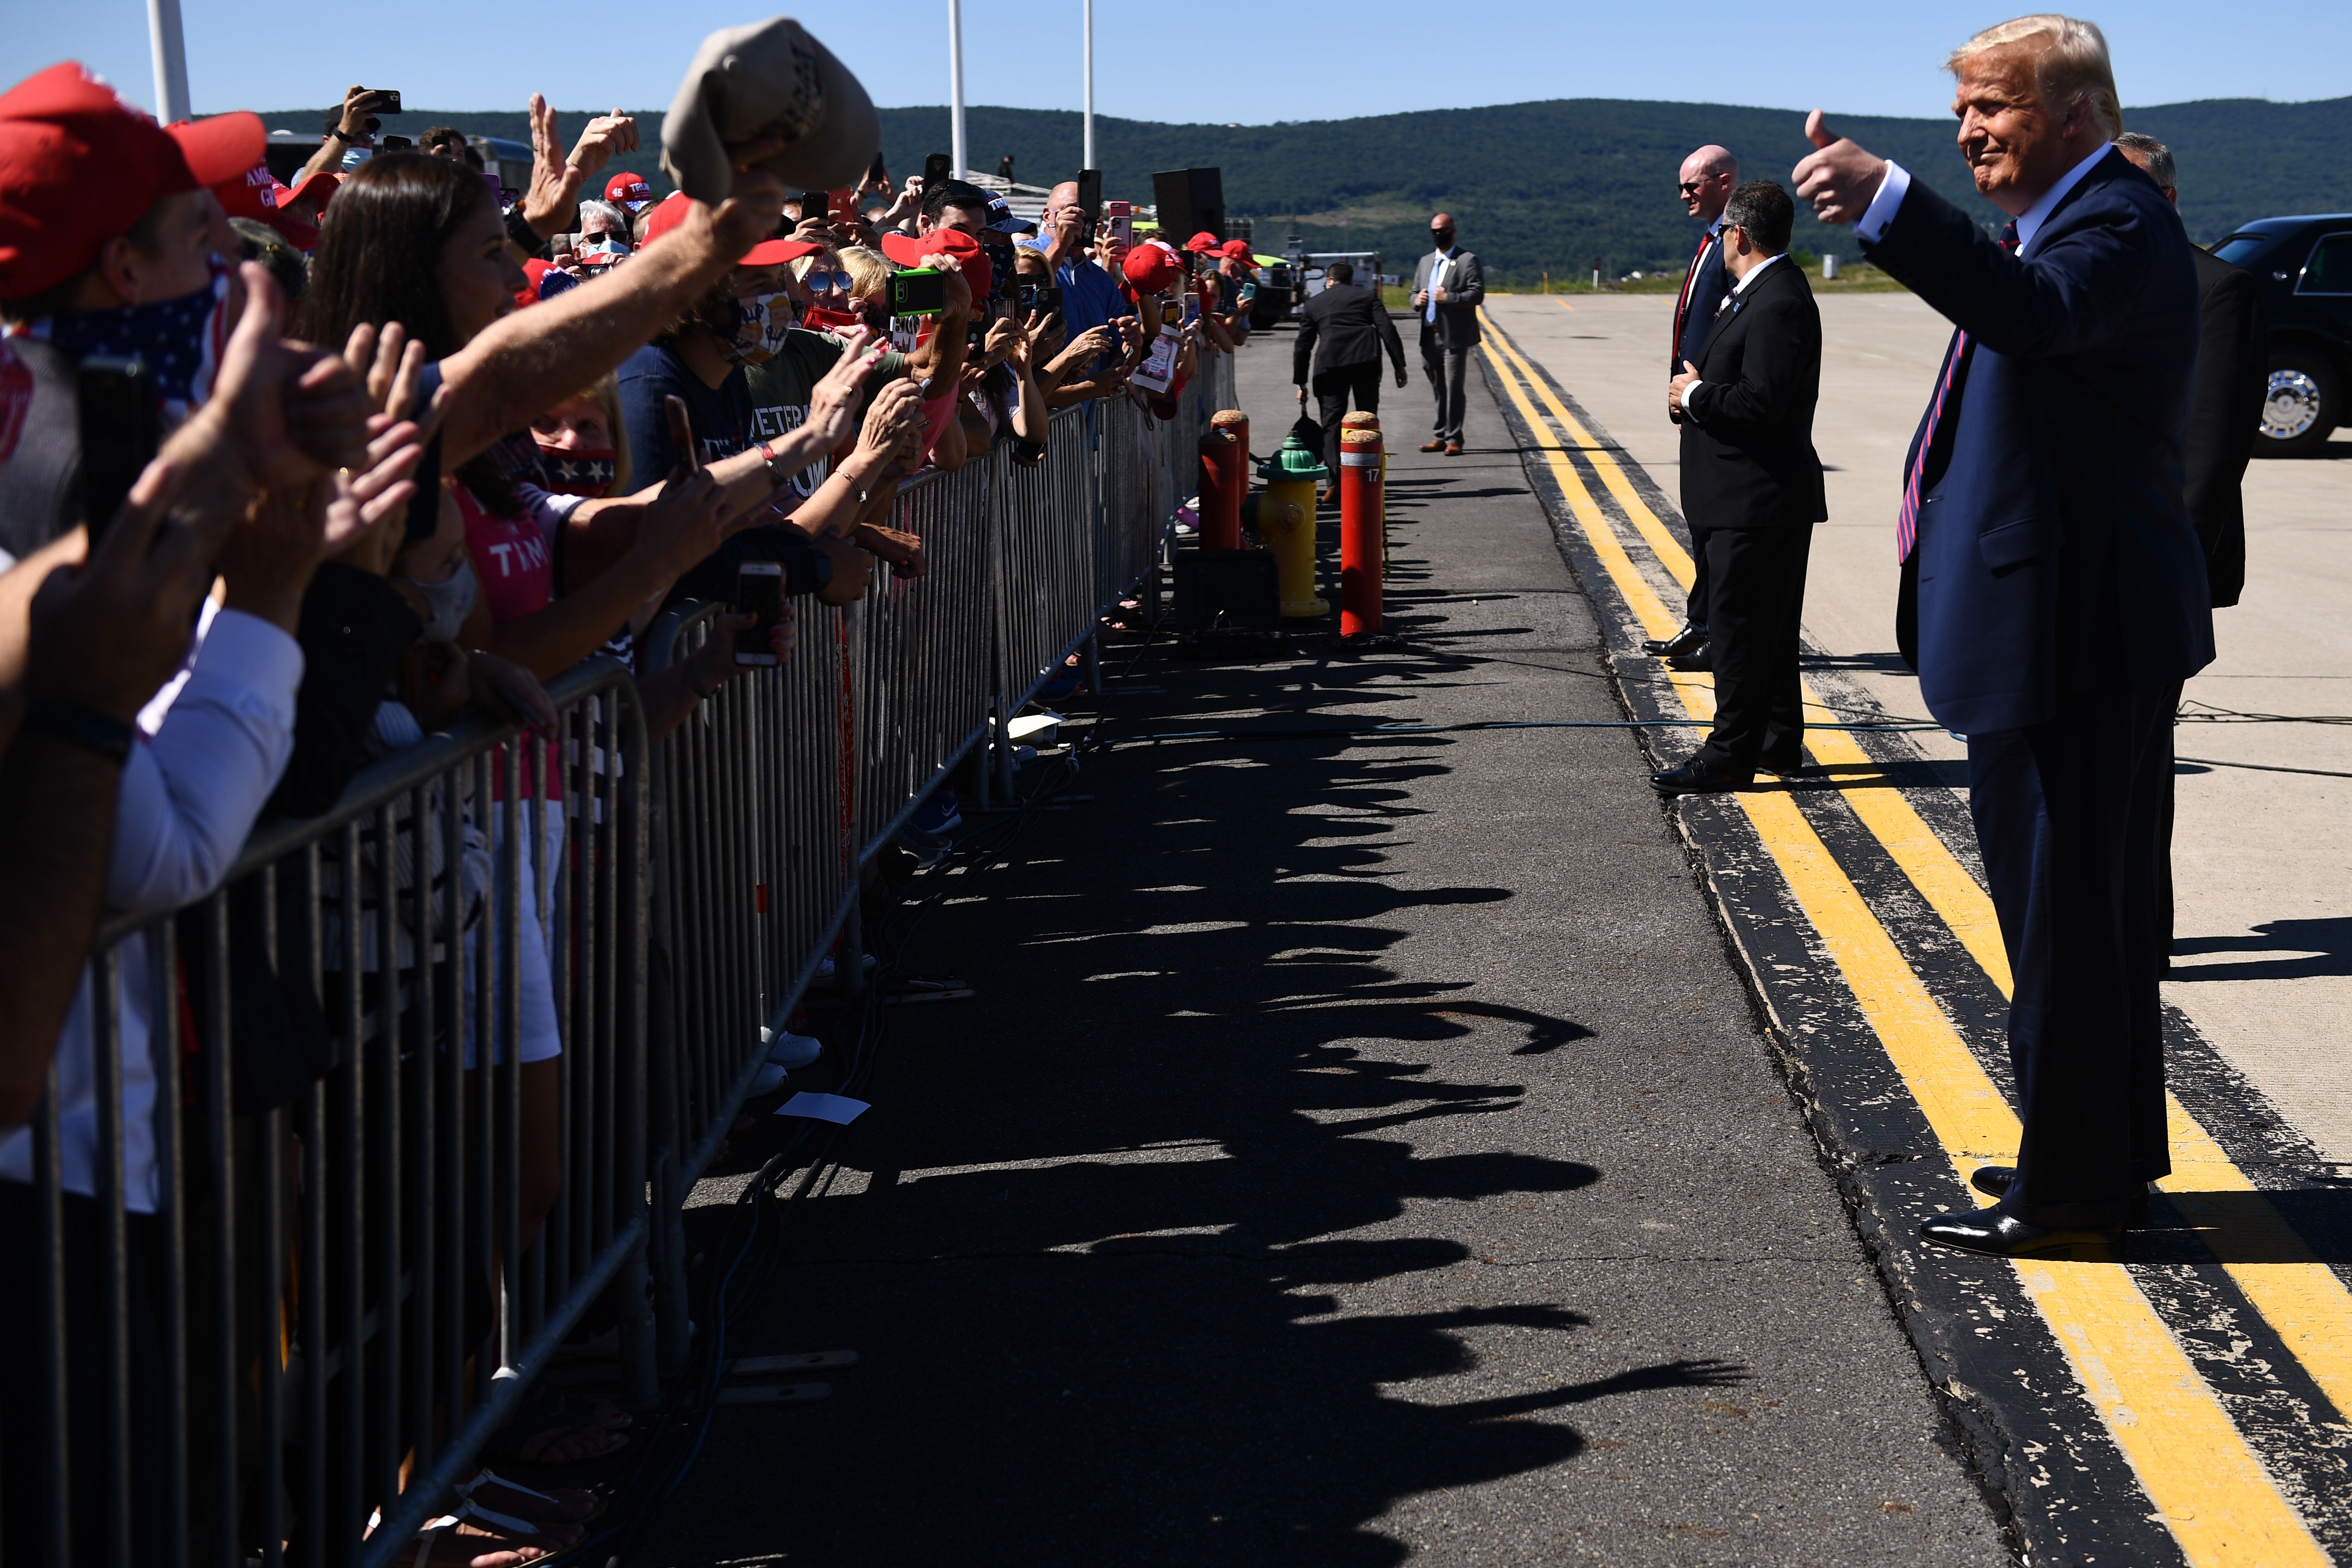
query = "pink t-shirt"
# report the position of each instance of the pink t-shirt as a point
(516, 567)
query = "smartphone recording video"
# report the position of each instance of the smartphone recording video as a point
(919, 291)
(939, 166)
(122, 419)
(758, 592)
(1034, 299)
(681, 432)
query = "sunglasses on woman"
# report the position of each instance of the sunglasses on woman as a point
(823, 281)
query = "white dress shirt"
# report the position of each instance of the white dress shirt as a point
(1738, 290)
(190, 795)
(1436, 282)
(1897, 180)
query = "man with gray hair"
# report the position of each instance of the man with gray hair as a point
(2054, 592)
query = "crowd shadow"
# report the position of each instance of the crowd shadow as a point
(1149, 1251)
(2310, 948)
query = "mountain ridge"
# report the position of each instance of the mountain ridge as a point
(1553, 184)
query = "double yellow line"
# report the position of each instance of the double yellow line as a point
(2206, 1482)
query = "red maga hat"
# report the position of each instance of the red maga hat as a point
(78, 166)
(1239, 250)
(1154, 266)
(970, 259)
(256, 195)
(628, 191)
(1204, 242)
(671, 212)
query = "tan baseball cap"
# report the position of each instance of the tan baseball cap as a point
(768, 79)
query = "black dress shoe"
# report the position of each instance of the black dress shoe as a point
(1994, 1181)
(1698, 658)
(1689, 640)
(2000, 1234)
(1698, 777)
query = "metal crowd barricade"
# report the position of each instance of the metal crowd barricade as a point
(338, 1323)
(753, 876)
(321, 1303)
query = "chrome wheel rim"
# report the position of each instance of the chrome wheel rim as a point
(2291, 406)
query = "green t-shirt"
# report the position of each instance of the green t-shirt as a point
(781, 388)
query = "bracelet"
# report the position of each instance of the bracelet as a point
(779, 477)
(84, 727)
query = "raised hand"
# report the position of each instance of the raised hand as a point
(1838, 177)
(605, 136)
(833, 402)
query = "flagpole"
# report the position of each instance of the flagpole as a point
(955, 85)
(171, 52)
(1088, 161)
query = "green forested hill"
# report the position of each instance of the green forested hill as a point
(1554, 184)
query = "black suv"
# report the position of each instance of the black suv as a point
(2305, 268)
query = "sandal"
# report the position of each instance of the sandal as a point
(557, 1505)
(478, 1537)
(552, 1425)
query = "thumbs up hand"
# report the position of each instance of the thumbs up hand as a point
(1837, 177)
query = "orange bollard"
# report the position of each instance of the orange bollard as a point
(1364, 419)
(1360, 532)
(1225, 479)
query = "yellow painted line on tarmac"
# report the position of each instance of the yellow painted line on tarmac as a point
(2297, 1293)
(2211, 1490)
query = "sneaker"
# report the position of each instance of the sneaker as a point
(768, 1079)
(791, 1051)
(936, 816)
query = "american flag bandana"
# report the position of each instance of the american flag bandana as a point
(579, 471)
(180, 339)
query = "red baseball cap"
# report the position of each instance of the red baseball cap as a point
(78, 166)
(256, 195)
(970, 259)
(1204, 242)
(1154, 266)
(628, 191)
(1239, 250)
(313, 178)
(671, 212)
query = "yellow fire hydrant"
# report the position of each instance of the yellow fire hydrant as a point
(1286, 514)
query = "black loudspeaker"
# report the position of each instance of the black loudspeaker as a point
(1189, 200)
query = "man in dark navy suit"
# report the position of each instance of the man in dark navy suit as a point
(2054, 595)
(1704, 184)
(1745, 401)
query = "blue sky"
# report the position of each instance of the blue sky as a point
(1272, 62)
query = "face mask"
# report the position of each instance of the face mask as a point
(761, 324)
(450, 602)
(817, 319)
(601, 250)
(578, 470)
(180, 339)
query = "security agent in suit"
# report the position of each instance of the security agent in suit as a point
(1751, 478)
(1343, 330)
(2056, 597)
(1448, 286)
(2224, 411)
(1704, 184)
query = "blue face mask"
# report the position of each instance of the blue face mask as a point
(180, 339)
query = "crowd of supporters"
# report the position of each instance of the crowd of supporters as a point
(293, 477)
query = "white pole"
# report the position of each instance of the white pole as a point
(1088, 162)
(955, 85)
(170, 53)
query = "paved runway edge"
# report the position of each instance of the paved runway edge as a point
(2183, 1408)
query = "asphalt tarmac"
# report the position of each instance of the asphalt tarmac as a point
(1358, 1150)
(2263, 950)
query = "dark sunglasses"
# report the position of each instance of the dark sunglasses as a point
(823, 280)
(1690, 187)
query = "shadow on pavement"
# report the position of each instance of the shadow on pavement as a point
(1157, 1236)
